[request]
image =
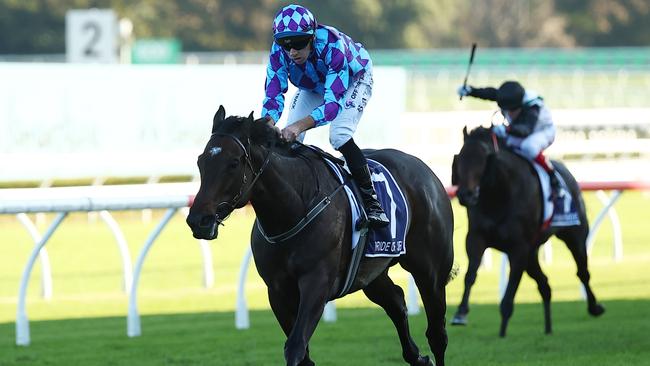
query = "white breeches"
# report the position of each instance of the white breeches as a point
(342, 128)
(533, 144)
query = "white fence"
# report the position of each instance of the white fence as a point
(174, 197)
(62, 201)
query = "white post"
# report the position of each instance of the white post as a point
(127, 274)
(548, 252)
(503, 281)
(599, 219)
(412, 303)
(22, 322)
(206, 254)
(208, 271)
(486, 261)
(616, 226)
(46, 272)
(133, 328)
(242, 320)
(329, 313)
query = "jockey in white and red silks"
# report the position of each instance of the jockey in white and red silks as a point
(530, 129)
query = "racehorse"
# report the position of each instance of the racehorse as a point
(504, 208)
(245, 160)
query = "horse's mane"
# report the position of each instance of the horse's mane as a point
(479, 133)
(257, 131)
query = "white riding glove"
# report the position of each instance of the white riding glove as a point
(464, 90)
(499, 130)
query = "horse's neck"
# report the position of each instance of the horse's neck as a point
(502, 175)
(284, 189)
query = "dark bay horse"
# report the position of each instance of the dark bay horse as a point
(245, 160)
(502, 195)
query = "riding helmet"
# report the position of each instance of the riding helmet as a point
(510, 95)
(293, 20)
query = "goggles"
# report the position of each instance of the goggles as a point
(296, 42)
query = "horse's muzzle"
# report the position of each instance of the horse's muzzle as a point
(203, 226)
(467, 197)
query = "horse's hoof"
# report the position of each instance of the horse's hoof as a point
(459, 319)
(596, 310)
(424, 361)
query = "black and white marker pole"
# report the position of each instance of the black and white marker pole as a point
(469, 65)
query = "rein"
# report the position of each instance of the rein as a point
(309, 216)
(495, 141)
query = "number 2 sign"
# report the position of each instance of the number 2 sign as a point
(91, 36)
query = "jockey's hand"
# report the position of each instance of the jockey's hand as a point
(464, 90)
(291, 132)
(499, 130)
(271, 123)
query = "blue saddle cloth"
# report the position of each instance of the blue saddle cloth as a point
(561, 211)
(389, 241)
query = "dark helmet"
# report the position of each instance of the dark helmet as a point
(510, 95)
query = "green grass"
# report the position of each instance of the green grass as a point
(186, 324)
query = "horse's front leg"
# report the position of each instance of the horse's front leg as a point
(284, 298)
(475, 247)
(313, 296)
(518, 262)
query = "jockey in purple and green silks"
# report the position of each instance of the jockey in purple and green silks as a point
(333, 75)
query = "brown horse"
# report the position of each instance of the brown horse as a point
(244, 160)
(502, 195)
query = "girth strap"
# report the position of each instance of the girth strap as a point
(353, 268)
(311, 215)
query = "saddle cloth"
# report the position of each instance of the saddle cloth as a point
(389, 241)
(559, 212)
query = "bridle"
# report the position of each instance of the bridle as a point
(243, 190)
(310, 215)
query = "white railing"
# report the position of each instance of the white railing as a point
(412, 297)
(171, 196)
(174, 197)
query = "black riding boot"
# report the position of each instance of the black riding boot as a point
(376, 216)
(361, 174)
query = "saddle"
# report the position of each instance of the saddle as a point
(389, 241)
(558, 211)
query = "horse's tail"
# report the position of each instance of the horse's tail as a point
(453, 273)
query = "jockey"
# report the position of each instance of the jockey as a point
(530, 129)
(333, 75)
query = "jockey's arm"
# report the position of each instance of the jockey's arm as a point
(484, 93)
(525, 123)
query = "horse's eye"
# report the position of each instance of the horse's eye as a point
(234, 163)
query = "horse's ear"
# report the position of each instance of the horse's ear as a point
(464, 132)
(454, 171)
(250, 116)
(218, 117)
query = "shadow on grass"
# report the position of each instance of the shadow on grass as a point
(361, 336)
